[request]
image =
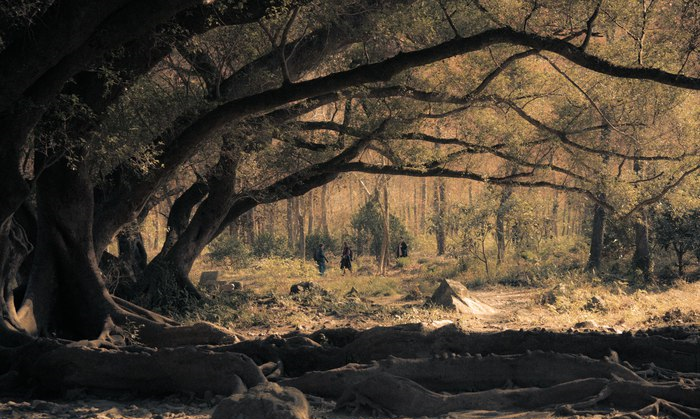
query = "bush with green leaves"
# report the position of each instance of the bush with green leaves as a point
(267, 244)
(368, 226)
(230, 250)
(677, 229)
(330, 244)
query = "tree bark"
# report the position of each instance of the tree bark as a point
(439, 214)
(595, 254)
(66, 293)
(324, 210)
(641, 260)
(501, 213)
(310, 211)
(181, 210)
(167, 276)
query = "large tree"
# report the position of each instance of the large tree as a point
(103, 105)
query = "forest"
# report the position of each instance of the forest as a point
(513, 188)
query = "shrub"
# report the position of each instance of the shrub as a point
(368, 227)
(266, 245)
(228, 249)
(330, 244)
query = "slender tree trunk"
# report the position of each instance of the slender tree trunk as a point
(439, 210)
(384, 252)
(423, 203)
(555, 214)
(483, 255)
(641, 260)
(290, 223)
(324, 209)
(595, 254)
(501, 213)
(310, 211)
(300, 223)
(680, 252)
(416, 225)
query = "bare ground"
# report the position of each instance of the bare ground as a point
(518, 308)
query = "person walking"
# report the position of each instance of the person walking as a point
(320, 258)
(402, 249)
(346, 258)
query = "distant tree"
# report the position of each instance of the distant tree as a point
(367, 228)
(679, 230)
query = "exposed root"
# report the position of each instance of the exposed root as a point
(631, 395)
(337, 347)
(403, 397)
(50, 367)
(466, 373)
(154, 330)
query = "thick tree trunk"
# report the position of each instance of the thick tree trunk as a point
(14, 248)
(15, 189)
(595, 254)
(166, 281)
(66, 293)
(181, 210)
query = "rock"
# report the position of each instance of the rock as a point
(595, 304)
(307, 286)
(354, 295)
(413, 295)
(552, 296)
(264, 401)
(586, 325)
(208, 278)
(454, 295)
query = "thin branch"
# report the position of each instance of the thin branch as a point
(450, 173)
(589, 26)
(283, 42)
(488, 13)
(566, 140)
(449, 18)
(535, 7)
(664, 191)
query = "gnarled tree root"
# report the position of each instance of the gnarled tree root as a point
(334, 348)
(466, 373)
(393, 395)
(50, 367)
(157, 331)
